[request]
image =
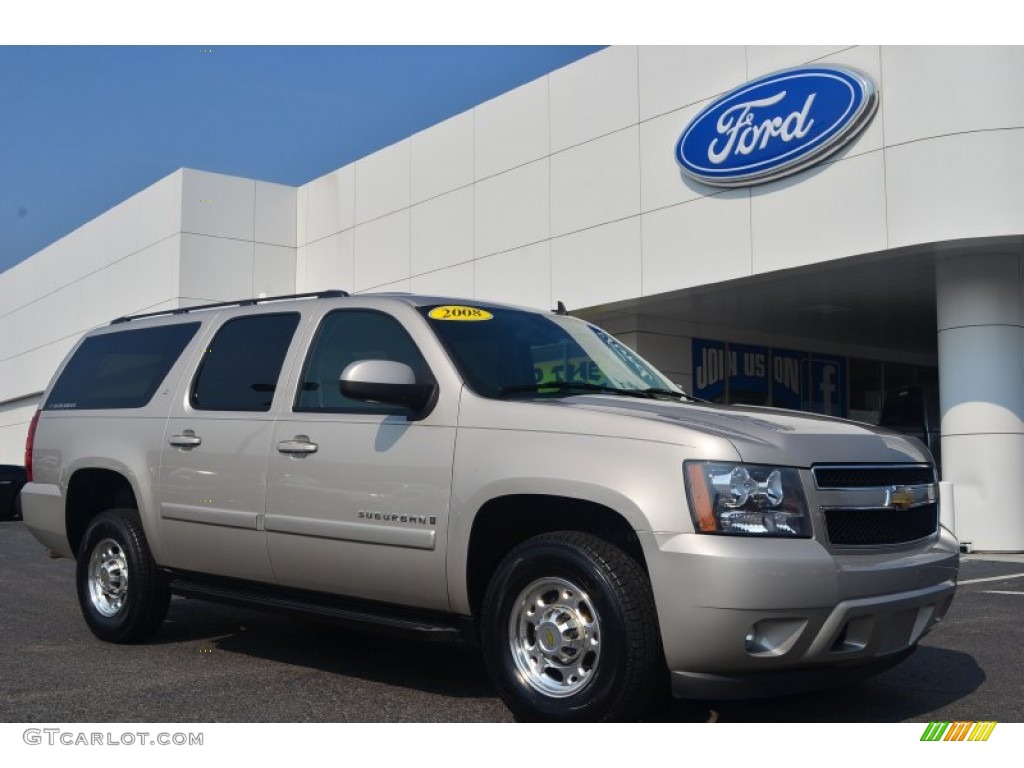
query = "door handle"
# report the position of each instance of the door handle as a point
(187, 439)
(300, 444)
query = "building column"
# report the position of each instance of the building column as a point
(981, 383)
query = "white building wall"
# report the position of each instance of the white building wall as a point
(123, 261)
(190, 238)
(567, 187)
(981, 379)
(14, 420)
(237, 238)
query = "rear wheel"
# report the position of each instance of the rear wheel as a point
(122, 594)
(570, 632)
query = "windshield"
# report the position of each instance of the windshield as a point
(506, 352)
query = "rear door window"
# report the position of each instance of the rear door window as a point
(240, 368)
(119, 370)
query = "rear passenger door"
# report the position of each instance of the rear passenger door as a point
(214, 456)
(358, 494)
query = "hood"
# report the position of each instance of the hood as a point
(769, 435)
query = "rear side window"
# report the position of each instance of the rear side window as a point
(119, 370)
(241, 366)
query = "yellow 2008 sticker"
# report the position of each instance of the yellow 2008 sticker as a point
(459, 313)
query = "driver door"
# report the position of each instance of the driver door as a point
(357, 493)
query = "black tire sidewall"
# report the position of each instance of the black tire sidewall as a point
(554, 559)
(144, 590)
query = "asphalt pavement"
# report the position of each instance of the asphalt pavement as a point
(212, 663)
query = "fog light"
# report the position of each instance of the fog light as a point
(773, 637)
(750, 641)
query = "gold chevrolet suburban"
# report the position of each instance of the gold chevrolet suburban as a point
(460, 470)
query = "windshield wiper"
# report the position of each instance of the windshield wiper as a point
(674, 394)
(586, 386)
(568, 386)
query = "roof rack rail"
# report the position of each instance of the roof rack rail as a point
(331, 294)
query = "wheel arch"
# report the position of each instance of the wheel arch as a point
(504, 522)
(90, 491)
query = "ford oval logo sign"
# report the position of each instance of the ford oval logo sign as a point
(776, 125)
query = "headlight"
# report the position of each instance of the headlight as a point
(746, 499)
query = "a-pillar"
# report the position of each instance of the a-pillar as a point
(981, 384)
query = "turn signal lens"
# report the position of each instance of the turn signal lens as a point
(700, 498)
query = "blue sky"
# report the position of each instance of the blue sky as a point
(83, 128)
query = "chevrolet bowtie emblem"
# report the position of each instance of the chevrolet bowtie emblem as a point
(902, 497)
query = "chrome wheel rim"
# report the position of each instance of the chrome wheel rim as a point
(554, 635)
(108, 577)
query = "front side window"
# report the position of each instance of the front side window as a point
(119, 370)
(240, 368)
(510, 352)
(347, 336)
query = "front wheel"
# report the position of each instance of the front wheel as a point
(122, 594)
(570, 632)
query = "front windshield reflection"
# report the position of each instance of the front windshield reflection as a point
(518, 352)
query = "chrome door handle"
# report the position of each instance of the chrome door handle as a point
(299, 444)
(187, 439)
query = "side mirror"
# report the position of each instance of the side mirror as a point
(387, 382)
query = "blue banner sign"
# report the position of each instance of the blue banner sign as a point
(710, 370)
(755, 375)
(789, 377)
(741, 370)
(828, 385)
(748, 382)
(776, 125)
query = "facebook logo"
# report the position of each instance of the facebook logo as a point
(828, 386)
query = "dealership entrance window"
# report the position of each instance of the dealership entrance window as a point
(747, 374)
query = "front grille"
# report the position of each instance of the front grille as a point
(879, 476)
(862, 527)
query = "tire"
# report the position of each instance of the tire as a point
(569, 631)
(122, 594)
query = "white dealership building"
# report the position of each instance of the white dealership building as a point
(890, 258)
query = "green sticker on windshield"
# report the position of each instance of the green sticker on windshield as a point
(451, 312)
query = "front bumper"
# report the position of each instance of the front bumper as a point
(744, 617)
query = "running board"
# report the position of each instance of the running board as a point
(433, 626)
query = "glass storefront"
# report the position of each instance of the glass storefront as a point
(745, 374)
